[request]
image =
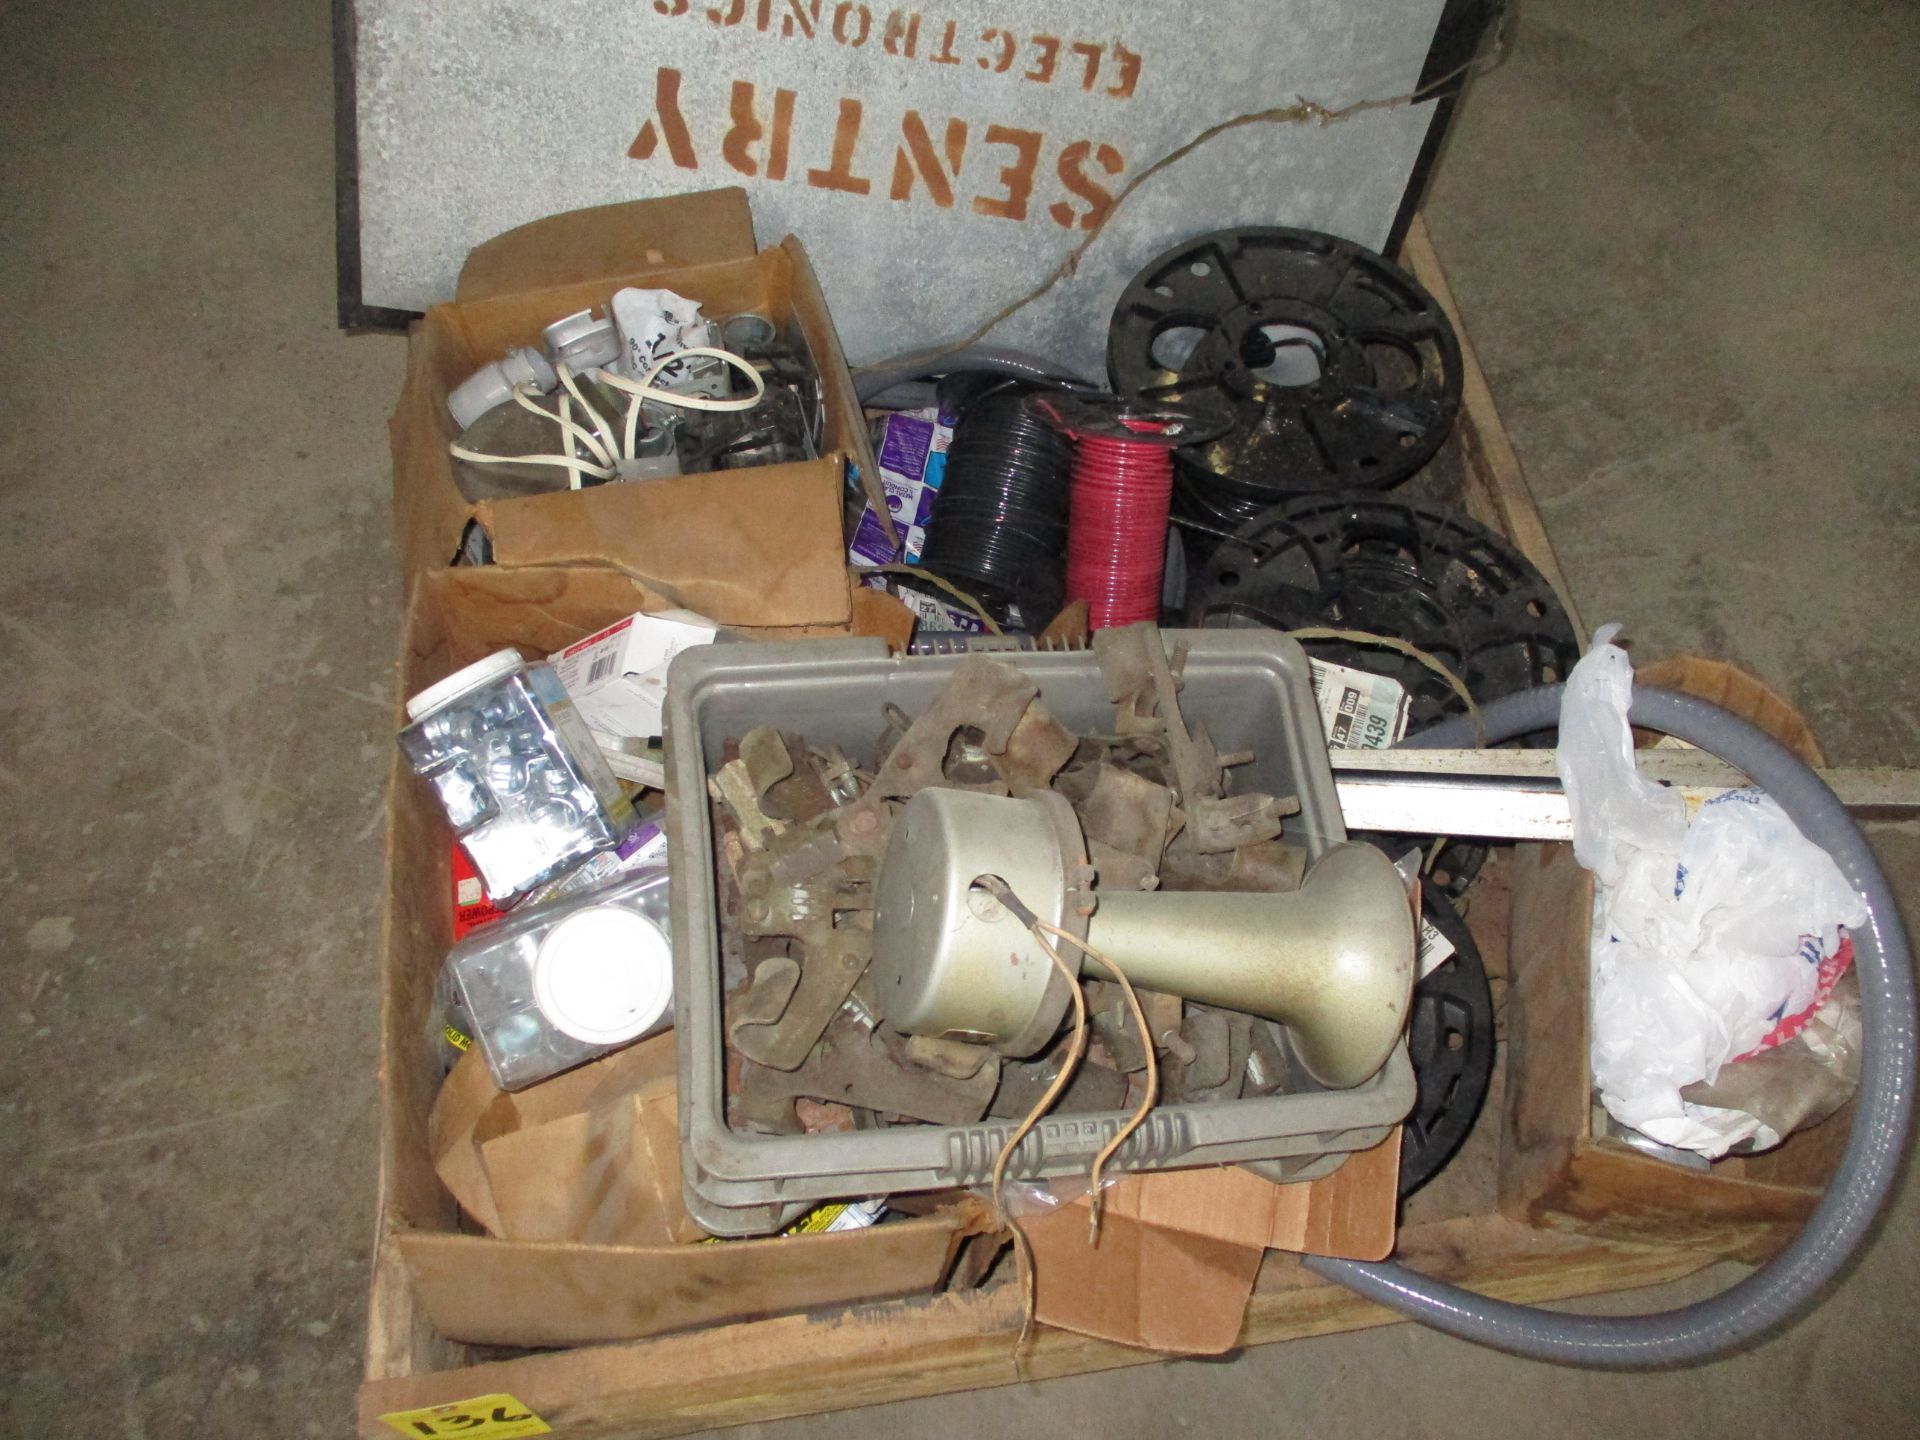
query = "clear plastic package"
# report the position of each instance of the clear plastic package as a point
(516, 770)
(553, 986)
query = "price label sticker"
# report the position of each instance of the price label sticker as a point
(485, 1417)
(1359, 711)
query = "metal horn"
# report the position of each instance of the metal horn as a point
(1332, 961)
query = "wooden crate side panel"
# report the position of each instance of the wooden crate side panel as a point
(806, 1364)
(1498, 494)
(1555, 1172)
(1546, 1117)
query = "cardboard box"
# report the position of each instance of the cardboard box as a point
(1178, 1251)
(582, 1157)
(480, 1288)
(756, 547)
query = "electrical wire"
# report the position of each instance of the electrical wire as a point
(999, 521)
(644, 389)
(575, 480)
(565, 462)
(1147, 1099)
(565, 372)
(523, 397)
(1070, 1064)
(607, 450)
(1117, 537)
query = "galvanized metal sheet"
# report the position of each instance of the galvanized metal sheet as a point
(937, 162)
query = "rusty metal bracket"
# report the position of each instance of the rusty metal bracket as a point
(871, 1069)
(1124, 810)
(1145, 692)
(1268, 865)
(1112, 1021)
(1094, 1087)
(785, 780)
(1221, 1041)
(830, 917)
(1020, 742)
(733, 787)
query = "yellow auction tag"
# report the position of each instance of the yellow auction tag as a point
(485, 1417)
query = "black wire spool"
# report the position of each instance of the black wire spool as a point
(1450, 1039)
(1206, 514)
(999, 524)
(1342, 371)
(1412, 571)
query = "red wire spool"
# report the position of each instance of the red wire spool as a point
(1122, 487)
(1117, 530)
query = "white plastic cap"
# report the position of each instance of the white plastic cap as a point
(496, 666)
(583, 341)
(604, 975)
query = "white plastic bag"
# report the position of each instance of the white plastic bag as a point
(654, 323)
(1706, 937)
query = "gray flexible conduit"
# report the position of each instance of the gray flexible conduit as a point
(873, 384)
(1789, 1282)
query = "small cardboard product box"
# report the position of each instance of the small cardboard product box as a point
(753, 547)
(617, 677)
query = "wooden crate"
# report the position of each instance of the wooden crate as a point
(1501, 1220)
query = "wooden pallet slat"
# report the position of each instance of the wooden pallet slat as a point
(801, 1364)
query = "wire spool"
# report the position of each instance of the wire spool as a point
(1116, 549)
(999, 525)
(1122, 491)
(1340, 370)
(1416, 572)
(1450, 1039)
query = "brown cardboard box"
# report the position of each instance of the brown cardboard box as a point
(759, 547)
(1179, 1250)
(591, 1156)
(440, 1142)
(577, 1181)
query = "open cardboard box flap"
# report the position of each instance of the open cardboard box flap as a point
(578, 1181)
(540, 609)
(605, 241)
(472, 1115)
(1179, 1250)
(733, 546)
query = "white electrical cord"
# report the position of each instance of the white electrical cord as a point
(600, 425)
(600, 443)
(644, 389)
(571, 433)
(574, 477)
(565, 462)
(577, 434)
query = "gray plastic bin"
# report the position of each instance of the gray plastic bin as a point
(1252, 689)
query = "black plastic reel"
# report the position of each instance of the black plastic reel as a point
(1342, 372)
(1416, 572)
(1450, 1038)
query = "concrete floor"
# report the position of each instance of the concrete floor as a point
(1683, 243)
